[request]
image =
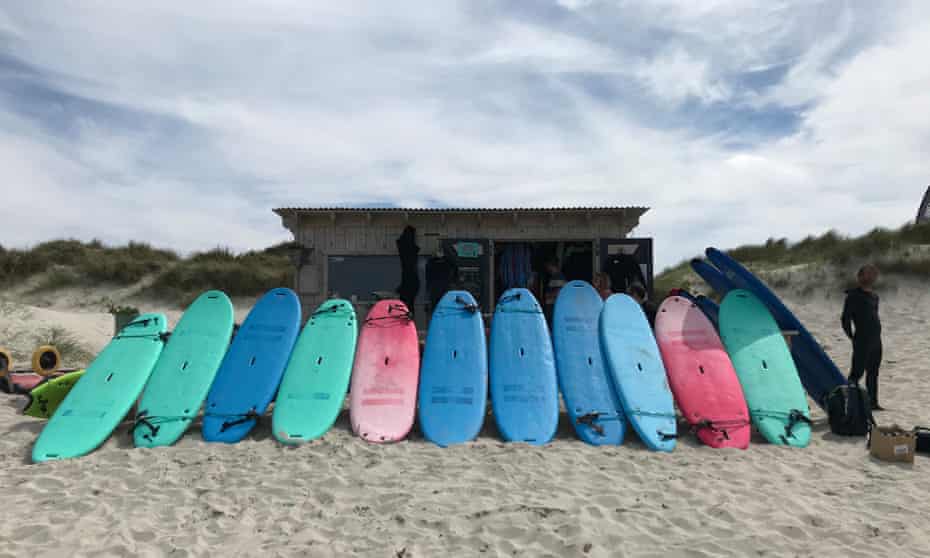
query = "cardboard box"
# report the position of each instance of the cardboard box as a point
(892, 443)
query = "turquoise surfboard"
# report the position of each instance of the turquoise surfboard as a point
(774, 394)
(183, 374)
(317, 376)
(635, 363)
(454, 372)
(586, 386)
(251, 371)
(111, 384)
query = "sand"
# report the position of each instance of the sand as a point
(342, 497)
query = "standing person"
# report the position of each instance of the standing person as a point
(638, 292)
(861, 323)
(555, 280)
(602, 284)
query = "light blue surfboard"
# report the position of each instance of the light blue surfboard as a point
(524, 386)
(587, 389)
(252, 368)
(635, 362)
(454, 372)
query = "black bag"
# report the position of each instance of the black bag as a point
(923, 439)
(849, 411)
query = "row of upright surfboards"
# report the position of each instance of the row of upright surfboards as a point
(603, 357)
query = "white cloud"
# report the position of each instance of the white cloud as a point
(201, 118)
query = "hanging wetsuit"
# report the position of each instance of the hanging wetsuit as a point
(862, 325)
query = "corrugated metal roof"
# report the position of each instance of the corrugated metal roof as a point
(570, 209)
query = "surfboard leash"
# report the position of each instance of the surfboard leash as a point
(794, 417)
(658, 414)
(588, 419)
(721, 426)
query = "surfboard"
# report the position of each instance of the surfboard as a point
(587, 389)
(710, 308)
(45, 398)
(523, 383)
(701, 376)
(635, 364)
(383, 393)
(766, 371)
(251, 371)
(110, 386)
(712, 276)
(818, 372)
(317, 376)
(454, 372)
(185, 371)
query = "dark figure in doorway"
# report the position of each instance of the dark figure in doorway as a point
(408, 250)
(638, 292)
(861, 323)
(555, 280)
(441, 274)
(623, 270)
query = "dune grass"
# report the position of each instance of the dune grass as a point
(72, 263)
(72, 351)
(893, 250)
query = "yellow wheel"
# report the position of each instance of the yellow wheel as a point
(46, 360)
(6, 362)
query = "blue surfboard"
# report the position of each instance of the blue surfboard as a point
(454, 372)
(588, 392)
(524, 387)
(634, 360)
(817, 370)
(249, 375)
(712, 276)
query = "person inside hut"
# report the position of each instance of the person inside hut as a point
(602, 284)
(554, 281)
(638, 292)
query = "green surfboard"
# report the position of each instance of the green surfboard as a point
(776, 399)
(185, 371)
(45, 398)
(111, 384)
(317, 376)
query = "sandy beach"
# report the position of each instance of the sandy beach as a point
(342, 497)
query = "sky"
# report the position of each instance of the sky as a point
(184, 123)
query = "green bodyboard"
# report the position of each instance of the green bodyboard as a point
(316, 379)
(776, 399)
(111, 384)
(45, 398)
(184, 372)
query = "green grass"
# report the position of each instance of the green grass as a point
(248, 274)
(71, 263)
(887, 248)
(71, 350)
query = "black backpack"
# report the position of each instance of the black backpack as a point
(849, 411)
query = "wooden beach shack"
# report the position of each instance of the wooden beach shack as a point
(351, 252)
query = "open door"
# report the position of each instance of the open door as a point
(615, 255)
(472, 257)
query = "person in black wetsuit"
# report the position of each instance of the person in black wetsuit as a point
(861, 323)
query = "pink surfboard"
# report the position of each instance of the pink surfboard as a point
(701, 375)
(383, 397)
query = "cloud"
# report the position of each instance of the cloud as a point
(185, 124)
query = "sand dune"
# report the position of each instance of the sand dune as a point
(339, 496)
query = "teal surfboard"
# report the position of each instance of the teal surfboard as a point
(774, 394)
(317, 376)
(111, 384)
(184, 372)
